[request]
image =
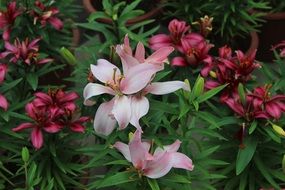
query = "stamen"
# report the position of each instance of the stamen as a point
(114, 75)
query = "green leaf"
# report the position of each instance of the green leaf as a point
(153, 184)
(241, 93)
(116, 179)
(252, 127)
(32, 79)
(210, 93)
(7, 86)
(245, 155)
(176, 178)
(265, 171)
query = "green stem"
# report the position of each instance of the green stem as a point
(26, 175)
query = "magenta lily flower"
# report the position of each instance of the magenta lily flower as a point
(178, 29)
(42, 121)
(3, 101)
(154, 165)
(24, 51)
(120, 86)
(47, 14)
(8, 18)
(195, 50)
(273, 105)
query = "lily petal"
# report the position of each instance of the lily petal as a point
(124, 149)
(140, 107)
(3, 102)
(37, 138)
(182, 161)
(93, 89)
(140, 53)
(23, 126)
(104, 124)
(160, 88)
(104, 71)
(138, 77)
(160, 55)
(122, 111)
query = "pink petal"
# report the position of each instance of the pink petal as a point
(182, 161)
(128, 61)
(122, 111)
(44, 61)
(44, 97)
(56, 23)
(140, 52)
(159, 41)
(104, 123)
(179, 61)
(211, 84)
(52, 128)
(3, 102)
(37, 138)
(127, 47)
(169, 148)
(140, 107)
(138, 77)
(236, 107)
(10, 47)
(104, 71)
(23, 126)
(76, 127)
(160, 55)
(138, 151)
(160, 88)
(124, 149)
(159, 166)
(93, 89)
(273, 109)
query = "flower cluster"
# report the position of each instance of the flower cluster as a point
(193, 47)
(231, 70)
(130, 104)
(130, 88)
(52, 112)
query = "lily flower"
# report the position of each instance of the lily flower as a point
(178, 29)
(154, 165)
(47, 14)
(129, 59)
(7, 19)
(273, 105)
(25, 51)
(120, 86)
(195, 49)
(281, 45)
(3, 101)
(42, 121)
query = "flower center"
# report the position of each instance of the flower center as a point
(115, 82)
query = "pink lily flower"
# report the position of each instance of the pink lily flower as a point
(129, 60)
(25, 51)
(154, 165)
(47, 14)
(42, 121)
(120, 86)
(8, 18)
(178, 29)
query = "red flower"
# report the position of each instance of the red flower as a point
(25, 51)
(281, 45)
(7, 19)
(57, 101)
(273, 105)
(47, 14)
(75, 122)
(42, 121)
(177, 30)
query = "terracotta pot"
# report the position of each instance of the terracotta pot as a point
(91, 9)
(75, 37)
(254, 42)
(275, 16)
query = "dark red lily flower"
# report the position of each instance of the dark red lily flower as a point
(247, 110)
(57, 101)
(3, 101)
(47, 14)
(195, 49)
(42, 121)
(7, 19)
(178, 29)
(231, 70)
(205, 24)
(273, 105)
(25, 51)
(74, 121)
(280, 46)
